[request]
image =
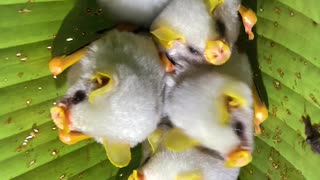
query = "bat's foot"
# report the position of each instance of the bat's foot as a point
(249, 19)
(217, 52)
(260, 111)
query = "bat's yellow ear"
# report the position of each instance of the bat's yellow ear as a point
(155, 138)
(177, 141)
(191, 175)
(166, 36)
(230, 99)
(233, 99)
(104, 83)
(118, 153)
(213, 4)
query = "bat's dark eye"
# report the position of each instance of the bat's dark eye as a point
(221, 28)
(78, 97)
(238, 128)
(193, 50)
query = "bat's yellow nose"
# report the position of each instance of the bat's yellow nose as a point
(60, 117)
(217, 52)
(238, 158)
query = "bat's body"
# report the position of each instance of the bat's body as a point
(214, 105)
(189, 28)
(115, 92)
(195, 163)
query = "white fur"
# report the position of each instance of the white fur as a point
(193, 103)
(191, 18)
(141, 12)
(166, 165)
(132, 109)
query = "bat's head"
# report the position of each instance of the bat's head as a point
(194, 163)
(215, 110)
(198, 31)
(115, 90)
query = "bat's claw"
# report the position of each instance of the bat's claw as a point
(249, 19)
(260, 111)
(58, 64)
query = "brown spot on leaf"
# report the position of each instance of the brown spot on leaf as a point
(20, 74)
(314, 23)
(313, 98)
(298, 75)
(288, 112)
(276, 137)
(9, 120)
(277, 84)
(274, 111)
(275, 165)
(281, 73)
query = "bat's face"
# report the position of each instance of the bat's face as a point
(189, 29)
(213, 109)
(104, 106)
(115, 90)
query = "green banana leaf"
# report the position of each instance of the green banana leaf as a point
(285, 60)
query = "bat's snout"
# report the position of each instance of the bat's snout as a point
(217, 52)
(238, 158)
(60, 117)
